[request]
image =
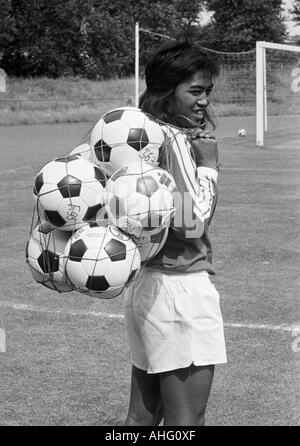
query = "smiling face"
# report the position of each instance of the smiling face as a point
(191, 98)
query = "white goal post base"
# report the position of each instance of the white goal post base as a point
(261, 85)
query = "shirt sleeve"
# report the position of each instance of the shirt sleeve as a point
(196, 197)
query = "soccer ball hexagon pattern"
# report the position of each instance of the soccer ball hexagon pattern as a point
(140, 198)
(45, 257)
(70, 191)
(101, 260)
(123, 136)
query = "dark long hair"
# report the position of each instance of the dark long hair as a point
(172, 64)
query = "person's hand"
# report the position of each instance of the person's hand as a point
(196, 133)
(205, 148)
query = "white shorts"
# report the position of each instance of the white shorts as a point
(173, 321)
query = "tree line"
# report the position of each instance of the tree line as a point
(95, 38)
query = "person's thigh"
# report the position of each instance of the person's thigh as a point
(184, 394)
(145, 403)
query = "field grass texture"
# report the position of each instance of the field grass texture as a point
(67, 358)
(75, 99)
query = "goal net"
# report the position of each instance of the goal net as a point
(277, 91)
(255, 88)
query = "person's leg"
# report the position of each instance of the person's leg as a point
(184, 394)
(145, 407)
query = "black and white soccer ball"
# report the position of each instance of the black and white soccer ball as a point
(101, 260)
(45, 257)
(70, 191)
(140, 198)
(123, 136)
(151, 244)
(242, 132)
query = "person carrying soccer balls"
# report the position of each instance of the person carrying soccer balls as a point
(172, 311)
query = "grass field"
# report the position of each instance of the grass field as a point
(75, 99)
(67, 99)
(67, 358)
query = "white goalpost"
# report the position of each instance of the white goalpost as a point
(261, 85)
(137, 64)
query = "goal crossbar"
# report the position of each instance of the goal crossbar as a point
(278, 46)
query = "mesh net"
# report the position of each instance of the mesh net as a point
(234, 93)
(98, 252)
(81, 260)
(283, 82)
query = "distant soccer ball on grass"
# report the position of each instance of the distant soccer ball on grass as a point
(70, 191)
(100, 261)
(44, 256)
(242, 132)
(123, 136)
(140, 198)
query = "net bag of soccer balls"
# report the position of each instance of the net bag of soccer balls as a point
(102, 210)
